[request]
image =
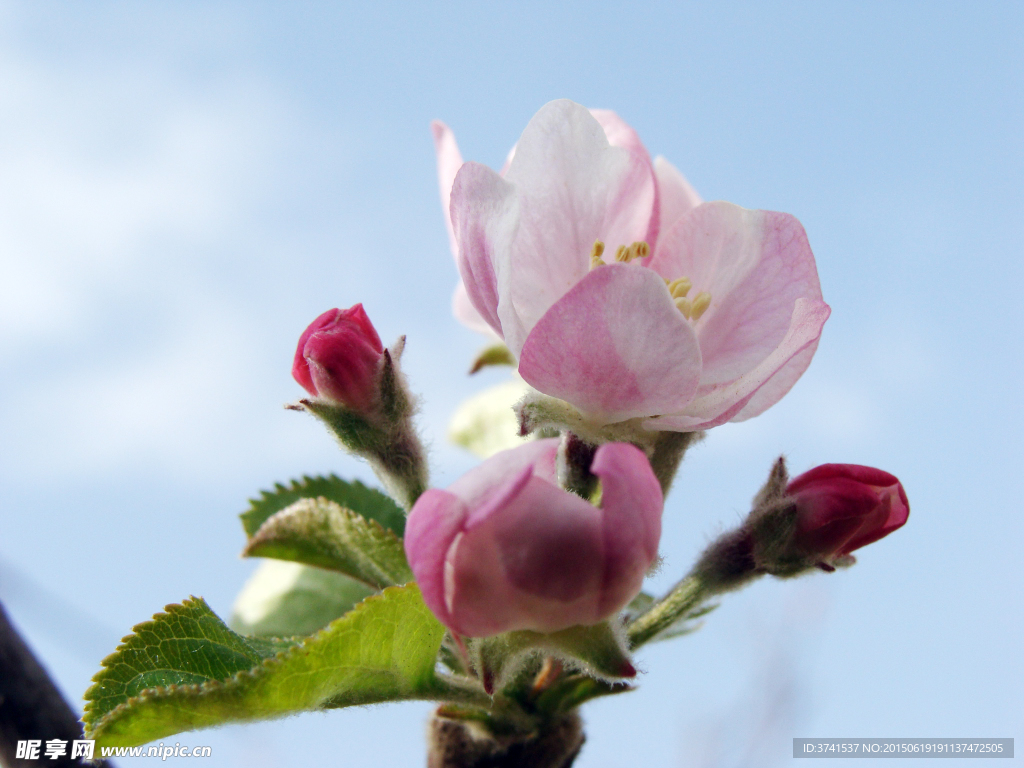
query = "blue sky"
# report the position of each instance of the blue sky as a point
(185, 186)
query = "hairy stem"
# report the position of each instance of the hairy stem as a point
(683, 599)
(669, 449)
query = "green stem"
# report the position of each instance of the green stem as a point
(684, 598)
(400, 465)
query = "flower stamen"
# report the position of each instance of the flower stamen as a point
(638, 250)
(679, 287)
(623, 254)
(701, 302)
(692, 309)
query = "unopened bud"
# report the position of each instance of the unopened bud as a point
(339, 358)
(360, 394)
(843, 507)
(815, 520)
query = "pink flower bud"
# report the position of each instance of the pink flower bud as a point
(338, 358)
(504, 548)
(843, 507)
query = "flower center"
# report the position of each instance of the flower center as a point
(692, 309)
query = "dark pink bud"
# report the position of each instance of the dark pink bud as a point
(338, 358)
(842, 507)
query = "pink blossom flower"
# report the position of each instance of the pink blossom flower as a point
(673, 195)
(843, 507)
(707, 312)
(338, 358)
(504, 548)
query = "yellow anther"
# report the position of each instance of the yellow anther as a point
(685, 306)
(637, 250)
(595, 254)
(701, 302)
(679, 287)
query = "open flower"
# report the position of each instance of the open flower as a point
(621, 295)
(504, 548)
(672, 194)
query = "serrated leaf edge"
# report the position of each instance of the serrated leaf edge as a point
(169, 611)
(297, 486)
(198, 688)
(393, 538)
(388, 533)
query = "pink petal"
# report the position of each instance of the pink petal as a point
(485, 217)
(755, 265)
(510, 572)
(432, 526)
(508, 161)
(449, 160)
(896, 515)
(539, 455)
(762, 387)
(783, 380)
(676, 195)
(573, 189)
(631, 504)
(550, 543)
(466, 313)
(827, 472)
(620, 134)
(615, 346)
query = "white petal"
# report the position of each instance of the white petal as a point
(449, 160)
(574, 188)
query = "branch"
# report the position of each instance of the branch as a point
(31, 707)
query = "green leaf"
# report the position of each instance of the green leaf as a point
(323, 533)
(496, 354)
(187, 645)
(571, 691)
(686, 625)
(368, 502)
(486, 423)
(282, 599)
(185, 670)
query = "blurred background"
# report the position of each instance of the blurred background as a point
(184, 187)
